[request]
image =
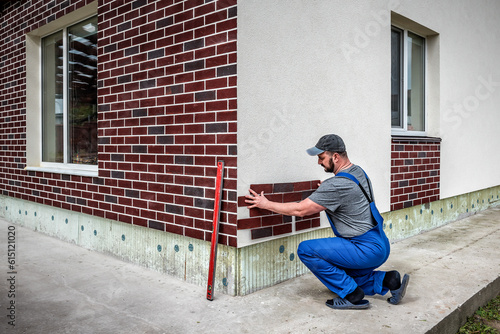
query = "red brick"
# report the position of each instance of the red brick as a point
(282, 229)
(226, 25)
(272, 220)
(302, 225)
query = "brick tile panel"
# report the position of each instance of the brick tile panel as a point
(264, 223)
(415, 171)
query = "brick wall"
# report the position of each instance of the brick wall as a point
(415, 171)
(263, 223)
(167, 114)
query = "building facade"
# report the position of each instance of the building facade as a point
(114, 115)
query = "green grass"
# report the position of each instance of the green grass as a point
(486, 320)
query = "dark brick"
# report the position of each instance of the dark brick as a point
(156, 130)
(193, 191)
(156, 54)
(132, 193)
(226, 70)
(110, 48)
(132, 51)
(205, 96)
(175, 209)
(124, 26)
(282, 187)
(157, 225)
(204, 203)
(117, 174)
(232, 12)
(164, 22)
(262, 233)
(139, 112)
(124, 79)
(98, 180)
(194, 65)
(111, 199)
(194, 44)
(175, 89)
(117, 157)
(139, 149)
(151, 83)
(139, 3)
(183, 160)
(306, 194)
(165, 140)
(104, 140)
(216, 127)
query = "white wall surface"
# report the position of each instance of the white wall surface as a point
(307, 68)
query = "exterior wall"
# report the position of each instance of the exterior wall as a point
(167, 114)
(335, 78)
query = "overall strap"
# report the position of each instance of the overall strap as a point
(355, 180)
(368, 181)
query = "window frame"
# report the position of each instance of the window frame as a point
(34, 102)
(403, 130)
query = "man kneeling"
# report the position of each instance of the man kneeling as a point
(345, 264)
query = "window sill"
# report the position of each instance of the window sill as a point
(400, 138)
(91, 172)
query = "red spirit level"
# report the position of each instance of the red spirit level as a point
(215, 232)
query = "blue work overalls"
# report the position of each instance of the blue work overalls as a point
(342, 264)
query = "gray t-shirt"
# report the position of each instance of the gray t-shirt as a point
(345, 203)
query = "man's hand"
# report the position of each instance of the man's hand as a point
(255, 200)
(303, 208)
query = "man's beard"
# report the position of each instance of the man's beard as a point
(329, 170)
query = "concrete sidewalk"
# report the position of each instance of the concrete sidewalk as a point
(63, 288)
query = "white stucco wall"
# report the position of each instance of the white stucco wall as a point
(307, 68)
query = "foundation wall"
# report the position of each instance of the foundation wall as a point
(239, 271)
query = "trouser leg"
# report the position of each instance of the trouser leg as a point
(342, 265)
(321, 257)
(369, 280)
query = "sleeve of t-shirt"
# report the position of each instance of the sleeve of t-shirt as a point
(326, 195)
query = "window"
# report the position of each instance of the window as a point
(69, 95)
(61, 75)
(407, 81)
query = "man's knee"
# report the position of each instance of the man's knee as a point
(304, 249)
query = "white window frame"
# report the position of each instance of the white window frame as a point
(34, 98)
(403, 131)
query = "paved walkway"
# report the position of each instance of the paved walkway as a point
(63, 288)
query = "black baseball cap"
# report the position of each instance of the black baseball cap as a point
(331, 143)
